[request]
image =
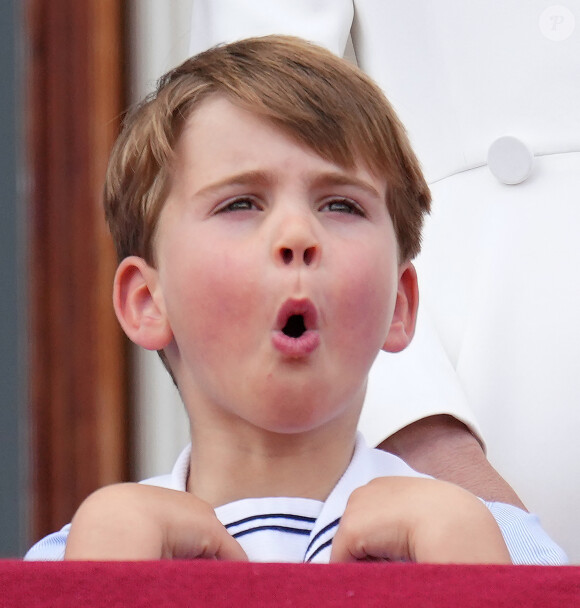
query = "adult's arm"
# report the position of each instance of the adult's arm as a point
(443, 447)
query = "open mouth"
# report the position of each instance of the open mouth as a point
(296, 331)
(297, 317)
(294, 327)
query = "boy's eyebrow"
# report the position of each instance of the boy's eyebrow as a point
(344, 179)
(261, 178)
(248, 178)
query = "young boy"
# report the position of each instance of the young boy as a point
(266, 205)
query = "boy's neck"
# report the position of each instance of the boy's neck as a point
(258, 464)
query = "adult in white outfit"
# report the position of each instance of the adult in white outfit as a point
(490, 95)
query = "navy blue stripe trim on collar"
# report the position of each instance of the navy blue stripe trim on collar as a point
(321, 548)
(271, 516)
(287, 529)
(325, 529)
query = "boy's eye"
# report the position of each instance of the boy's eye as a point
(343, 205)
(238, 204)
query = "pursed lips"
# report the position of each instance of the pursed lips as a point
(296, 330)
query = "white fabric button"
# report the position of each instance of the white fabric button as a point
(510, 160)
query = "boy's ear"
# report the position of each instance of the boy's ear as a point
(139, 304)
(405, 316)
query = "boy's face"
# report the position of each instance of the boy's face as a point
(277, 273)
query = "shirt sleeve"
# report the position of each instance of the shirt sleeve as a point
(326, 22)
(50, 548)
(527, 542)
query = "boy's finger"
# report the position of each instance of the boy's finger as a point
(340, 551)
(231, 550)
(353, 543)
(343, 554)
(340, 555)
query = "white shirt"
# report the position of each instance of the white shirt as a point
(291, 529)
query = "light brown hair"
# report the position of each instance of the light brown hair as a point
(313, 96)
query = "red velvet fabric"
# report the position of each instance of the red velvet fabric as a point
(220, 584)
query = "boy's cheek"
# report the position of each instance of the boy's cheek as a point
(364, 316)
(218, 299)
(369, 281)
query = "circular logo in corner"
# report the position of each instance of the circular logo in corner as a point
(557, 23)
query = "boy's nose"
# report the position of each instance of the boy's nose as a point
(308, 255)
(296, 243)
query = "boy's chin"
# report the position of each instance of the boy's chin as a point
(316, 410)
(297, 424)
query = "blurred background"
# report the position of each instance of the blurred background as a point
(68, 420)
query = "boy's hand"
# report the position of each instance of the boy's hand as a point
(139, 522)
(419, 520)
